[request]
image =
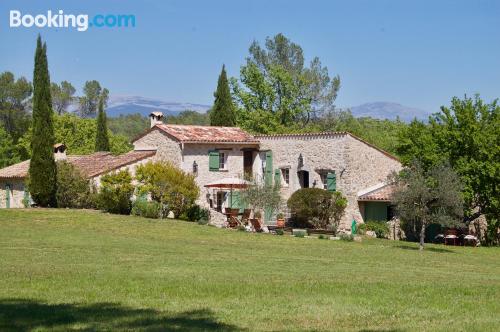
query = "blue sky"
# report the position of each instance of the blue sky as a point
(417, 53)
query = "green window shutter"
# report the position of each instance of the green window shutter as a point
(7, 196)
(277, 177)
(331, 182)
(269, 169)
(213, 161)
(236, 201)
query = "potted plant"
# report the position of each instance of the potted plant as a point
(258, 215)
(280, 220)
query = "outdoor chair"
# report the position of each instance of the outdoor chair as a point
(257, 226)
(246, 216)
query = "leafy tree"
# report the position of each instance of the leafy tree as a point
(467, 136)
(79, 136)
(14, 101)
(115, 192)
(262, 197)
(173, 188)
(429, 196)
(317, 207)
(8, 153)
(189, 117)
(42, 171)
(279, 89)
(101, 140)
(62, 96)
(223, 113)
(92, 94)
(381, 133)
(73, 189)
(130, 125)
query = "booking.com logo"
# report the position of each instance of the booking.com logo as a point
(80, 22)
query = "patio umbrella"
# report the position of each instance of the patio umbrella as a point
(229, 183)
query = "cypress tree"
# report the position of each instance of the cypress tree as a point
(101, 139)
(42, 171)
(223, 113)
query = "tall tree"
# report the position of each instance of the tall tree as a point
(42, 171)
(62, 96)
(467, 136)
(278, 92)
(424, 197)
(14, 104)
(90, 100)
(101, 139)
(223, 112)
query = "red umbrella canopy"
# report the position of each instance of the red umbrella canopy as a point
(228, 183)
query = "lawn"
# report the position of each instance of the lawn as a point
(85, 270)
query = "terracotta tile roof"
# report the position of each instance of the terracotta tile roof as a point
(383, 194)
(205, 134)
(103, 162)
(327, 134)
(90, 165)
(16, 171)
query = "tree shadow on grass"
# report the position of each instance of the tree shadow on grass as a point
(28, 315)
(433, 249)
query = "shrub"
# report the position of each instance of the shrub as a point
(73, 189)
(379, 227)
(318, 208)
(147, 209)
(196, 213)
(299, 233)
(173, 188)
(347, 237)
(115, 193)
(279, 231)
(323, 237)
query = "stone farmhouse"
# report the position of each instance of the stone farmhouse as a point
(334, 161)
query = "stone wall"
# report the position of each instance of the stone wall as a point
(166, 147)
(366, 166)
(199, 153)
(356, 164)
(16, 193)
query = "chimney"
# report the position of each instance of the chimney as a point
(156, 118)
(59, 151)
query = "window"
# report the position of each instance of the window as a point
(324, 180)
(285, 173)
(328, 180)
(222, 161)
(217, 161)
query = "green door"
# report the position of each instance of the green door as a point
(7, 196)
(376, 211)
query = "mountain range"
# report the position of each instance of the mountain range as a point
(118, 105)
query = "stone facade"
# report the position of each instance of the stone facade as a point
(166, 147)
(357, 165)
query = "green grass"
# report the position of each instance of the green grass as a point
(66, 269)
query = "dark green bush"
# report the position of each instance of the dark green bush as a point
(379, 227)
(315, 207)
(279, 231)
(196, 213)
(115, 192)
(347, 237)
(73, 189)
(147, 209)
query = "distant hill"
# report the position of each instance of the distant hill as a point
(134, 104)
(118, 105)
(388, 110)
